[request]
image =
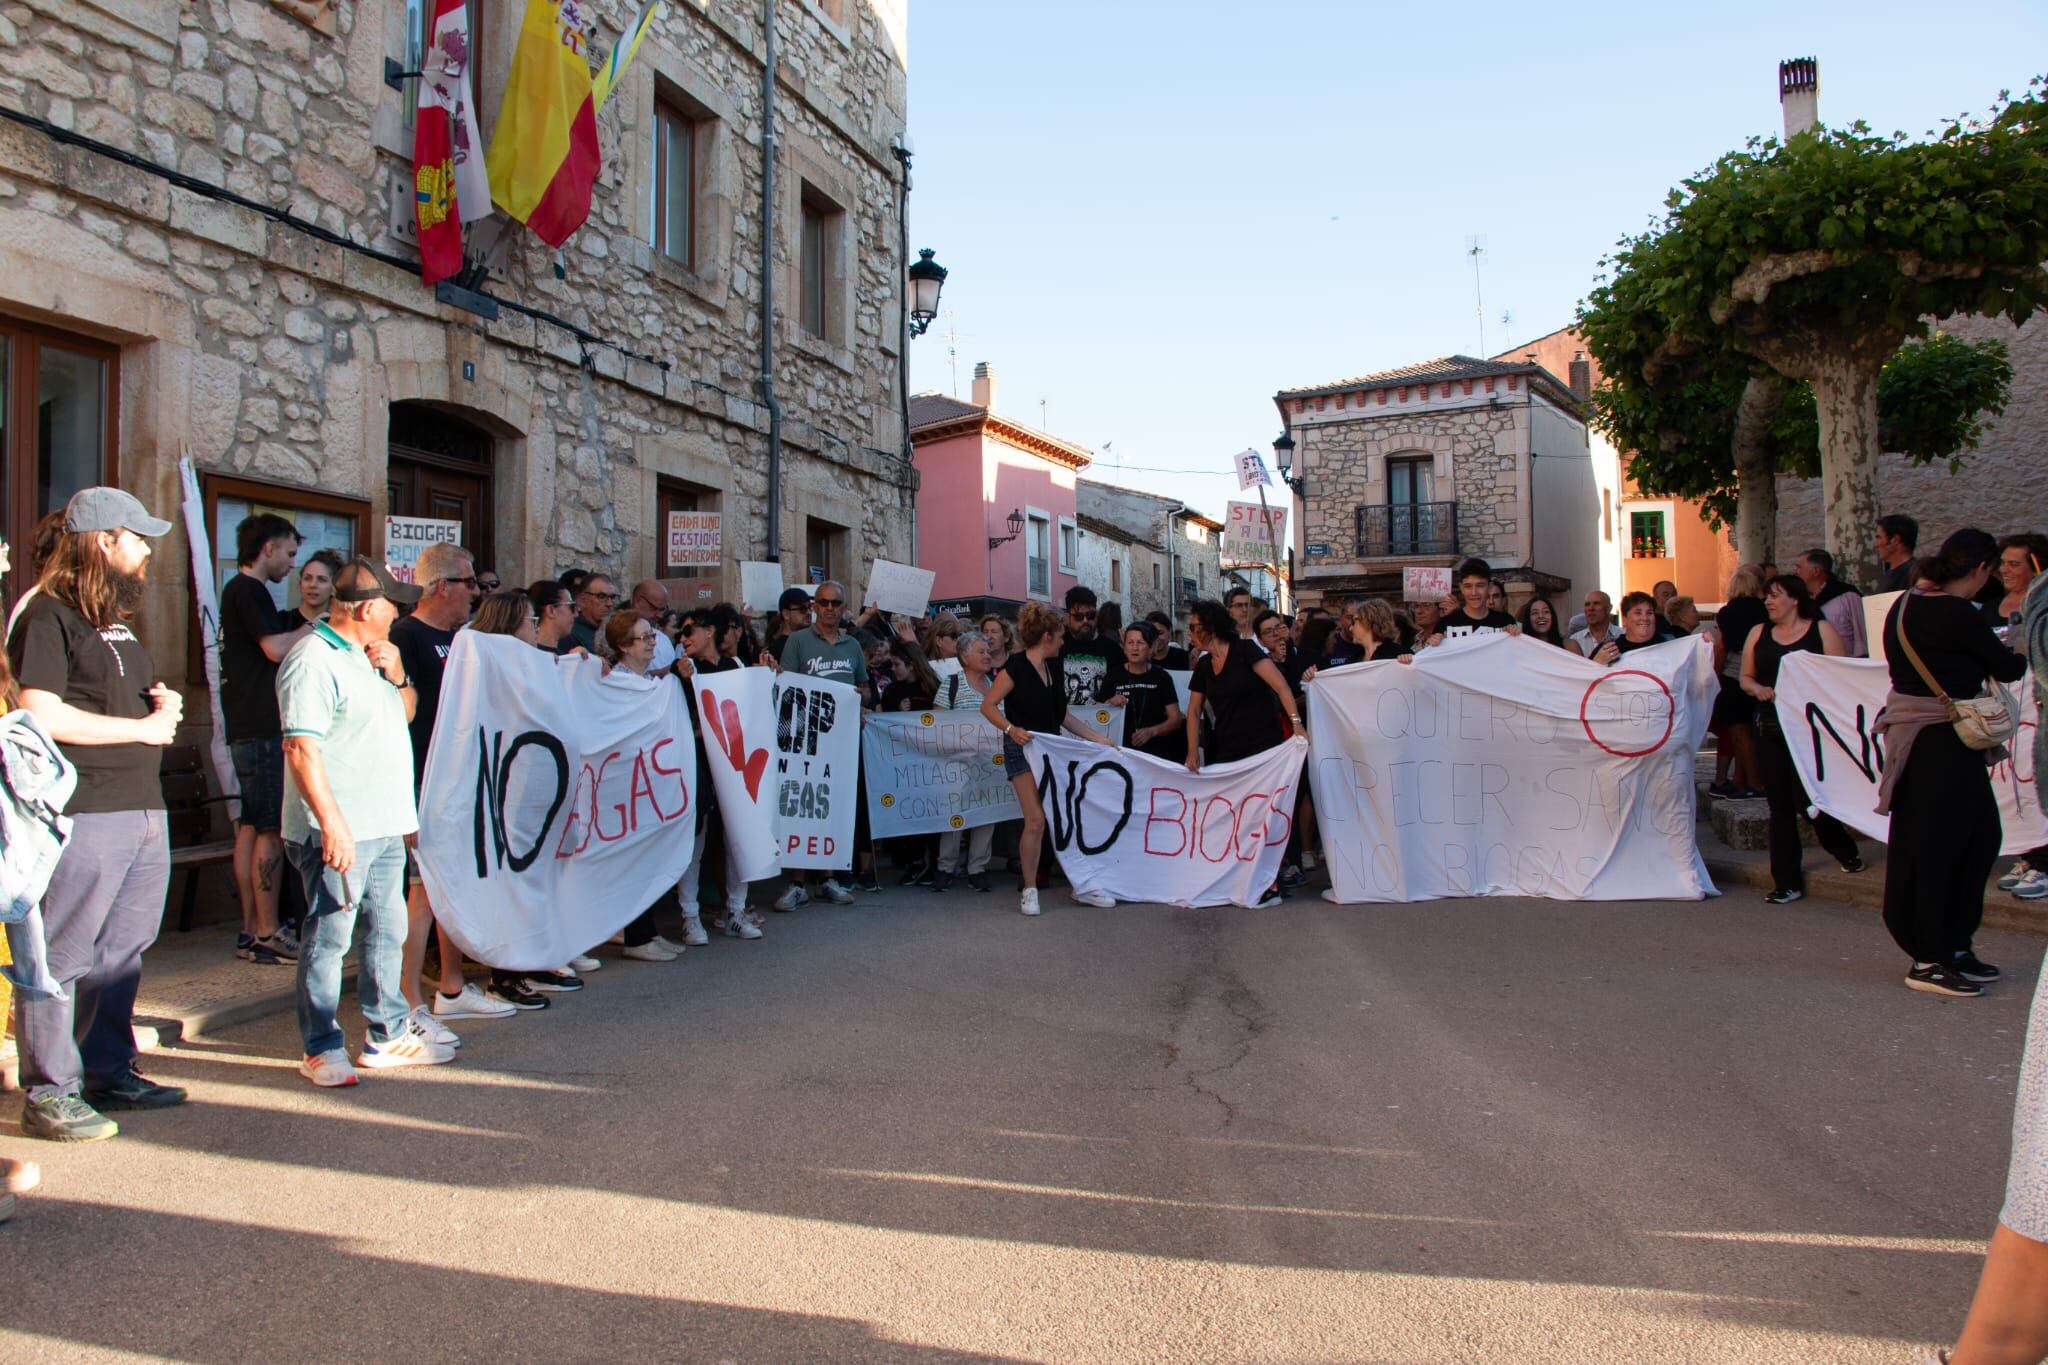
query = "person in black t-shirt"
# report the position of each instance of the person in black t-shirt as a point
(1638, 629)
(254, 638)
(1085, 655)
(1029, 695)
(1473, 616)
(1165, 652)
(86, 678)
(1152, 719)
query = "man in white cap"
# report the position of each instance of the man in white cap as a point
(85, 676)
(344, 697)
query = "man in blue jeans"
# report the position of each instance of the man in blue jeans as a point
(344, 699)
(85, 676)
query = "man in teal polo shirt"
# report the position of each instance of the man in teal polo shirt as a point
(344, 700)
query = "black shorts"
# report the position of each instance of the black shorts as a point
(259, 771)
(1733, 706)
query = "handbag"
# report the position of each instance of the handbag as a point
(1981, 722)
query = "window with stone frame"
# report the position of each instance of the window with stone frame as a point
(59, 428)
(822, 251)
(673, 188)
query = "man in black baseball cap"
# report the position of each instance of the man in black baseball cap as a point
(793, 614)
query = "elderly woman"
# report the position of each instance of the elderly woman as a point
(1945, 829)
(963, 691)
(2021, 561)
(1639, 629)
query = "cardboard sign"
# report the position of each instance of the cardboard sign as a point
(1876, 607)
(1253, 534)
(901, 588)
(694, 538)
(1251, 470)
(1427, 585)
(760, 585)
(406, 537)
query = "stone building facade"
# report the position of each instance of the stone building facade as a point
(1431, 463)
(308, 376)
(1175, 551)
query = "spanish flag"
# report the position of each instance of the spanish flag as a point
(543, 157)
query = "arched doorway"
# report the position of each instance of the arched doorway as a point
(440, 467)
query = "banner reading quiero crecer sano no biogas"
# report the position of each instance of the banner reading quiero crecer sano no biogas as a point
(1828, 708)
(1502, 766)
(559, 801)
(1143, 829)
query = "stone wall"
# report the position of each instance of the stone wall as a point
(1997, 487)
(272, 355)
(1143, 516)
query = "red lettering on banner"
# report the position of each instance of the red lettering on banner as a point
(1643, 719)
(1281, 811)
(1153, 817)
(1202, 830)
(812, 845)
(1246, 829)
(682, 783)
(586, 789)
(620, 807)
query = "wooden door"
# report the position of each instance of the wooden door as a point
(440, 467)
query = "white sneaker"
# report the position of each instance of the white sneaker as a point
(693, 932)
(1101, 900)
(792, 896)
(650, 952)
(410, 1048)
(471, 1003)
(835, 893)
(1330, 895)
(2014, 875)
(676, 948)
(1308, 860)
(423, 1019)
(739, 926)
(1028, 902)
(583, 964)
(2032, 887)
(331, 1068)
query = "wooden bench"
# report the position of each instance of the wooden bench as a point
(188, 814)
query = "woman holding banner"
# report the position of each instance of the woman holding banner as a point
(630, 638)
(963, 691)
(1254, 706)
(1030, 697)
(1945, 827)
(704, 631)
(1795, 626)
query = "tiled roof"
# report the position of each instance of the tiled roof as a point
(927, 408)
(1428, 372)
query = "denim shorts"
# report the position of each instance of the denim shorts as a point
(1014, 762)
(259, 769)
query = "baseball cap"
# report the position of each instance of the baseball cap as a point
(793, 597)
(404, 594)
(110, 509)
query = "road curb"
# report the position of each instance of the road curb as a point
(1866, 890)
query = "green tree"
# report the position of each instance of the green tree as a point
(1810, 262)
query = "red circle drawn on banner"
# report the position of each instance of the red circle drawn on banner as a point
(1670, 714)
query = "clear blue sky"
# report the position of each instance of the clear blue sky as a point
(1157, 214)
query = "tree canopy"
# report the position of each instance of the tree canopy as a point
(1813, 260)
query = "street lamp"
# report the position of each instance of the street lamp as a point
(1283, 460)
(927, 278)
(1016, 524)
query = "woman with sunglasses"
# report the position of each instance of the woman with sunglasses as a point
(629, 637)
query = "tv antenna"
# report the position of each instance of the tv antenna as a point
(1475, 247)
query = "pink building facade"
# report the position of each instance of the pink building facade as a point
(975, 467)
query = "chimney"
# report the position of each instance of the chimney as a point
(1581, 375)
(984, 385)
(1799, 94)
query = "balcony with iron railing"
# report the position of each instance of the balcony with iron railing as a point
(1406, 529)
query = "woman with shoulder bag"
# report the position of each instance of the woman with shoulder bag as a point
(1937, 780)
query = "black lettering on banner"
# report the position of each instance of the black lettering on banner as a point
(1869, 761)
(493, 775)
(801, 718)
(1066, 812)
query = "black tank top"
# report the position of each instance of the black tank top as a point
(1770, 654)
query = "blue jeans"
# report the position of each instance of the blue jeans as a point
(377, 885)
(104, 906)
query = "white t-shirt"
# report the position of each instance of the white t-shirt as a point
(1587, 644)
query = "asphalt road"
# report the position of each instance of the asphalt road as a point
(925, 1128)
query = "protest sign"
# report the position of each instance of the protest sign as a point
(901, 588)
(1828, 708)
(817, 771)
(1143, 829)
(1875, 608)
(209, 625)
(1507, 767)
(760, 585)
(1253, 534)
(737, 710)
(1183, 679)
(1251, 470)
(1426, 585)
(558, 802)
(406, 537)
(933, 771)
(694, 538)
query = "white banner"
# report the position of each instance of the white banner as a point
(196, 540)
(737, 710)
(933, 771)
(1828, 707)
(1502, 766)
(817, 768)
(1143, 829)
(558, 802)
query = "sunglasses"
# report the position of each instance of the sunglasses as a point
(468, 581)
(828, 601)
(487, 584)
(601, 596)
(1081, 614)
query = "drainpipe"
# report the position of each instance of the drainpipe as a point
(903, 335)
(774, 550)
(1172, 565)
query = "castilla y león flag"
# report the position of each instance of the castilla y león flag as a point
(543, 158)
(449, 185)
